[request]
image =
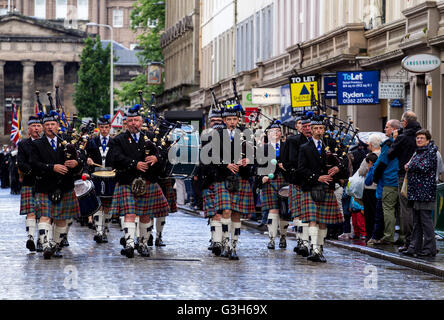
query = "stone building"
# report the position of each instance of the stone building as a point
(115, 13)
(180, 45)
(35, 55)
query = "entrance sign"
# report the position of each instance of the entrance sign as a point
(421, 63)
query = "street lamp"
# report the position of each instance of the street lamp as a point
(111, 102)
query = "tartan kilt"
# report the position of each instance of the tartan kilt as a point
(68, 208)
(153, 203)
(294, 199)
(27, 202)
(242, 201)
(326, 212)
(170, 194)
(106, 202)
(208, 202)
(270, 192)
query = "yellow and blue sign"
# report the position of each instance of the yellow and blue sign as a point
(358, 87)
(302, 90)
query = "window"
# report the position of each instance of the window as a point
(82, 9)
(40, 9)
(152, 23)
(133, 46)
(61, 9)
(3, 11)
(117, 18)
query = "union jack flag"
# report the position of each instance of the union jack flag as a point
(15, 130)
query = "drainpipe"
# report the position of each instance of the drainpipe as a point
(233, 68)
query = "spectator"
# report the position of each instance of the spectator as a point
(378, 228)
(422, 181)
(386, 172)
(358, 220)
(369, 196)
(403, 149)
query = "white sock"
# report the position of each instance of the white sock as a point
(322, 234)
(44, 228)
(58, 233)
(122, 222)
(212, 229)
(235, 230)
(137, 223)
(226, 229)
(145, 231)
(296, 224)
(51, 232)
(98, 221)
(283, 225)
(217, 237)
(129, 228)
(313, 233)
(30, 227)
(68, 225)
(304, 227)
(160, 223)
(108, 218)
(273, 224)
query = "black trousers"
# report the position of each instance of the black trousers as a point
(369, 200)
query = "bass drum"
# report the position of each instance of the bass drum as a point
(104, 182)
(283, 196)
(184, 154)
(88, 200)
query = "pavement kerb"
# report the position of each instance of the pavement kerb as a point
(391, 257)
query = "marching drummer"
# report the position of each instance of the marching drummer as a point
(272, 184)
(100, 155)
(137, 193)
(54, 187)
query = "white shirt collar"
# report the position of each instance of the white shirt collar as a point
(49, 139)
(101, 138)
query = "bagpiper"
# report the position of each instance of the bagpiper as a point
(319, 206)
(27, 201)
(137, 192)
(55, 168)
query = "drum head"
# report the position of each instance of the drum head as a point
(284, 192)
(82, 187)
(104, 174)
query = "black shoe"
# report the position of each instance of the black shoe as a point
(64, 242)
(150, 240)
(217, 249)
(98, 238)
(403, 249)
(128, 252)
(233, 255)
(409, 253)
(144, 251)
(283, 242)
(30, 245)
(123, 242)
(47, 253)
(104, 238)
(298, 247)
(39, 247)
(315, 256)
(304, 251)
(321, 256)
(210, 247)
(271, 244)
(426, 255)
(159, 242)
(91, 226)
(57, 252)
(225, 252)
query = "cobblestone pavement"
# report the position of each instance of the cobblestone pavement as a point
(185, 269)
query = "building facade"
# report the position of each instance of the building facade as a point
(115, 13)
(181, 46)
(345, 35)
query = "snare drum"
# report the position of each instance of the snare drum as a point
(284, 211)
(104, 183)
(88, 200)
(184, 155)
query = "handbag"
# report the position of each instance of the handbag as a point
(138, 187)
(56, 196)
(232, 183)
(318, 193)
(404, 189)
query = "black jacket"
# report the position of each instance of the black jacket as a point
(292, 156)
(93, 151)
(127, 153)
(24, 162)
(265, 150)
(43, 159)
(404, 146)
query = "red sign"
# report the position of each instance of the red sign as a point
(117, 121)
(251, 115)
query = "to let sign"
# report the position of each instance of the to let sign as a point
(391, 90)
(303, 90)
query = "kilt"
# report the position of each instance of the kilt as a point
(106, 202)
(153, 203)
(169, 193)
(208, 202)
(27, 201)
(68, 208)
(270, 192)
(326, 212)
(241, 201)
(294, 199)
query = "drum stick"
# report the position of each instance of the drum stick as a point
(98, 165)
